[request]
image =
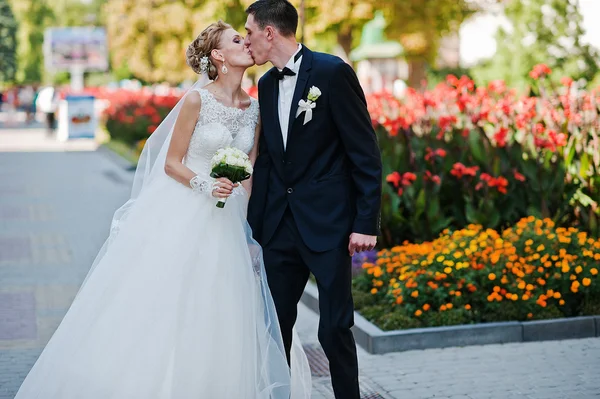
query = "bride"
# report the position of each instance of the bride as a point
(176, 304)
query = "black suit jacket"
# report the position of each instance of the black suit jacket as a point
(330, 173)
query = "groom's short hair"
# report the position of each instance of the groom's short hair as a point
(278, 13)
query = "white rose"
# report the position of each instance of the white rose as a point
(314, 92)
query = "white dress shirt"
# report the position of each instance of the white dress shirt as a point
(287, 86)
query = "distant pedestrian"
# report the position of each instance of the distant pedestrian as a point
(47, 102)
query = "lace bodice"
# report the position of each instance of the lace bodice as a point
(219, 127)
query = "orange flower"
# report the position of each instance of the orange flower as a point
(414, 294)
(418, 312)
(468, 307)
(426, 307)
(374, 291)
(586, 282)
(492, 276)
(594, 271)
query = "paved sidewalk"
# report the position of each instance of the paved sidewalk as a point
(537, 370)
(55, 211)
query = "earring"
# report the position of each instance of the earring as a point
(224, 68)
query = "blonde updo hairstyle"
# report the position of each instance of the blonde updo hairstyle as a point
(203, 45)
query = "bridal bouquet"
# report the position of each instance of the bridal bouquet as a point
(232, 164)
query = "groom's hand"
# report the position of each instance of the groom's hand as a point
(360, 243)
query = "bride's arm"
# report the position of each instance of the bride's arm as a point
(182, 134)
(247, 184)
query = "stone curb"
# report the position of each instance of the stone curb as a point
(116, 158)
(376, 341)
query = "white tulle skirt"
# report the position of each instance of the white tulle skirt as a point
(176, 307)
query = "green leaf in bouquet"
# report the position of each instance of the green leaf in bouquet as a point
(234, 173)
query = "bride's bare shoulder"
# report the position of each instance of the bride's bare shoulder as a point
(193, 100)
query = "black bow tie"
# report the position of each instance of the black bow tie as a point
(286, 71)
(281, 74)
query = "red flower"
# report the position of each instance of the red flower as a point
(566, 81)
(558, 139)
(430, 154)
(408, 178)
(500, 137)
(540, 71)
(398, 180)
(518, 176)
(459, 170)
(394, 179)
(500, 183)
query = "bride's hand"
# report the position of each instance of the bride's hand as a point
(223, 187)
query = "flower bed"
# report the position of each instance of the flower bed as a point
(132, 116)
(460, 155)
(533, 270)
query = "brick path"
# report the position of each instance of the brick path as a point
(55, 210)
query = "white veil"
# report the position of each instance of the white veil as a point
(151, 167)
(153, 154)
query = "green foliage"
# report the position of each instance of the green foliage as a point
(543, 32)
(418, 24)
(149, 37)
(77, 12)
(8, 43)
(34, 16)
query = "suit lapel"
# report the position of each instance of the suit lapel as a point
(303, 78)
(275, 107)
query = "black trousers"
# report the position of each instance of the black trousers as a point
(288, 263)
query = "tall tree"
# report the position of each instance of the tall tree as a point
(541, 32)
(33, 16)
(340, 20)
(418, 24)
(8, 43)
(150, 36)
(77, 12)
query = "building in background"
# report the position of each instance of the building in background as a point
(379, 62)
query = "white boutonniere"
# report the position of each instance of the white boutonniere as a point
(309, 104)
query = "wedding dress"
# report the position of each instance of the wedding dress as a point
(177, 304)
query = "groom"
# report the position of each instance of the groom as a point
(317, 181)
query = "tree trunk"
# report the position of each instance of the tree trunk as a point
(345, 41)
(416, 73)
